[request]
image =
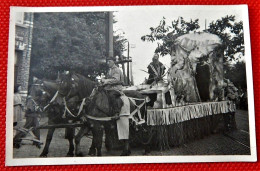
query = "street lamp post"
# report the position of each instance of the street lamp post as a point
(110, 35)
(128, 79)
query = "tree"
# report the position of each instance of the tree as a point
(237, 74)
(119, 44)
(165, 35)
(70, 41)
(226, 28)
(230, 32)
(232, 35)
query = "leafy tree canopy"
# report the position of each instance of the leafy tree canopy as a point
(226, 28)
(71, 41)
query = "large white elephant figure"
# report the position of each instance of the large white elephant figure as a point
(191, 51)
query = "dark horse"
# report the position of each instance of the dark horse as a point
(76, 85)
(99, 111)
(52, 104)
(67, 90)
(101, 115)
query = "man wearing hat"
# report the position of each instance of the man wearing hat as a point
(114, 81)
(156, 70)
(114, 78)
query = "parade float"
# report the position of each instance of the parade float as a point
(192, 103)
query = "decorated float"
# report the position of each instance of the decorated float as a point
(192, 103)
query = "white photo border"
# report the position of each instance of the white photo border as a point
(10, 161)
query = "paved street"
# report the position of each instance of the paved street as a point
(236, 142)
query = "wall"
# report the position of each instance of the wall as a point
(23, 39)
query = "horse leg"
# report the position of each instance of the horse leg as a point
(48, 141)
(92, 149)
(108, 137)
(69, 136)
(83, 131)
(36, 132)
(99, 141)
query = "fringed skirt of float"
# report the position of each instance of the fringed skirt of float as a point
(178, 125)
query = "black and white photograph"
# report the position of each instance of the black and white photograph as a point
(129, 84)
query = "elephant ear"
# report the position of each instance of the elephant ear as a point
(178, 87)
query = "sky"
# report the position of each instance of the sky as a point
(135, 23)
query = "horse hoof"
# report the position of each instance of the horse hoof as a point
(126, 153)
(108, 149)
(43, 155)
(146, 152)
(69, 155)
(80, 154)
(99, 154)
(92, 152)
(38, 146)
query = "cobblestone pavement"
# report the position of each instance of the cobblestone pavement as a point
(236, 142)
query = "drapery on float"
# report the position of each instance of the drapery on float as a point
(191, 104)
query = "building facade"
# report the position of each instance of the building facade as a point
(23, 40)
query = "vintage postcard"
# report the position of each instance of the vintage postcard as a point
(129, 84)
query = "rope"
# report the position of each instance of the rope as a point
(138, 107)
(99, 118)
(130, 116)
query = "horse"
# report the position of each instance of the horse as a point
(99, 111)
(72, 84)
(52, 104)
(76, 85)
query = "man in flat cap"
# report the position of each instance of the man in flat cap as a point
(114, 78)
(156, 70)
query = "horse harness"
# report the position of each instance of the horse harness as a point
(131, 116)
(68, 111)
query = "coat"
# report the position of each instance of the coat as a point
(155, 71)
